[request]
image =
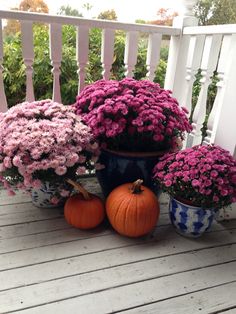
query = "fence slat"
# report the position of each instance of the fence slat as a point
(153, 54)
(208, 65)
(177, 58)
(226, 131)
(56, 57)
(193, 63)
(107, 55)
(131, 52)
(3, 100)
(82, 50)
(216, 109)
(28, 56)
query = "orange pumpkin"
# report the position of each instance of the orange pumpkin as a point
(132, 209)
(84, 210)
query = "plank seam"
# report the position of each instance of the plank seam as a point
(118, 286)
(188, 293)
(116, 266)
(105, 250)
(107, 233)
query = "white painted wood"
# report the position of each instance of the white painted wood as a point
(210, 30)
(29, 228)
(177, 58)
(107, 52)
(92, 23)
(131, 52)
(231, 311)
(28, 216)
(211, 300)
(28, 57)
(108, 300)
(208, 65)
(227, 213)
(226, 131)
(168, 243)
(18, 198)
(160, 266)
(82, 50)
(48, 238)
(66, 234)
(223, 63)
(56, 57)
(193, 64)
(153, 54)
(3, 100)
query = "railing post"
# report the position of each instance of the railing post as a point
(176, 67)
(226, 132)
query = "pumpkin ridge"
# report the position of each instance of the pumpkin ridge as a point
(117, 211)
(126, 215)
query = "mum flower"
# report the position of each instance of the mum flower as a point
(193, 178)
(43, 141)
(132, 115)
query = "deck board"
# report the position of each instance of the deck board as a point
(46, 266)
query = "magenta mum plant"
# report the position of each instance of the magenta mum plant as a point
(204, 176)
(43, 141)
(132, 115)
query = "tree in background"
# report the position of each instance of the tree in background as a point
(213, 12)
(108, 15)
(164, 17)
(38, 6)
(140, 21)
(68, 10)
(87, 7)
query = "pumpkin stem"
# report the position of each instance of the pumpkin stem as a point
(136, 188)
(80, 189)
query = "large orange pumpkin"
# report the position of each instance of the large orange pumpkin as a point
(84, 210)
(132, 209)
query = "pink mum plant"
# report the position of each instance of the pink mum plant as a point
(203, 176)
(43, 141)
(132, 115)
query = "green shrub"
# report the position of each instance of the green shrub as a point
(14, 68)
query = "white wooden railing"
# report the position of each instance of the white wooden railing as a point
(82, 47)
(192, 48)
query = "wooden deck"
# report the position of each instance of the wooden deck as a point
(46, 266)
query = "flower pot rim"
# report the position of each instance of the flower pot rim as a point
(191, 206)
(136, 154)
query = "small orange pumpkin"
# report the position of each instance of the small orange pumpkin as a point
(132, 209)
(84, 210)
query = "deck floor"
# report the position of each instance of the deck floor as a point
(46, 266)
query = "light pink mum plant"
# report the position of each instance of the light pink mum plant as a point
(43, 141)
(132, 115)
(203, 176)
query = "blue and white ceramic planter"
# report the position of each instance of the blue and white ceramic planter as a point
(189, 220)
(42, 197)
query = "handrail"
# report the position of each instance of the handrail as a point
(210, 29)
(77, 21)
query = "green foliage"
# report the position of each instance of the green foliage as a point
(68, 10)
(14, 68)
(108, 15)
(213, 12)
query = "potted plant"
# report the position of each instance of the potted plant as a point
(42, 144)
(200, 180)
(134, 123)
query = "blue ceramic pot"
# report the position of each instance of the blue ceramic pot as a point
(42, 197)
(122, 167)
(189, 220)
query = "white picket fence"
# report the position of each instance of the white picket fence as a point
(192, 48)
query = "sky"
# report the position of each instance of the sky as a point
(126, 10)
